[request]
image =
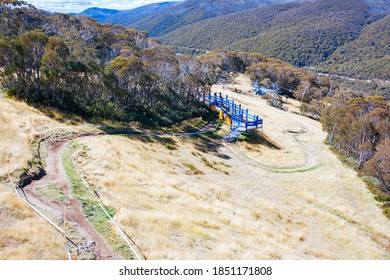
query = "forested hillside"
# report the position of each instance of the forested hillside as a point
(366, 57)
(324, 34)
(81, 66)
(191, 11)
(305, 34)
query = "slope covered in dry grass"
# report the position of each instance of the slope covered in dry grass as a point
(23, 234)
(198, 199)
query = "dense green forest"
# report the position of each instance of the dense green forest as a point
(366, 57)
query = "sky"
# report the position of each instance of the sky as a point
(76, 6)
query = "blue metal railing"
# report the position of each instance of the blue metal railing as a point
(232, 109)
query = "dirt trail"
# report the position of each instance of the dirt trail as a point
(56, 176)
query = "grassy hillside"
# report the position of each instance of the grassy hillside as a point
(300, 33)
(366, 57)
(23, 234)
(243, 210)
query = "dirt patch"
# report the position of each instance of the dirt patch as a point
(56, 176)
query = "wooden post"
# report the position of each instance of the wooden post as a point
(257, 121)
(247, 111)
(116, 221)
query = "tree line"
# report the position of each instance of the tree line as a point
(94, 70)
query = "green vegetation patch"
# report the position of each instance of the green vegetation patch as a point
(214, 165)
(52, 191)
(192, 170)
(91, 207)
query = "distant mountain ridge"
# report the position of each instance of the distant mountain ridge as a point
(99, 14)
(124, 17)
(190, 11)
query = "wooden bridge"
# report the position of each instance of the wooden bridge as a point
(232, 112)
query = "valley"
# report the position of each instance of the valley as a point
(348, 38)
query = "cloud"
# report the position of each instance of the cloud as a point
(77, 6)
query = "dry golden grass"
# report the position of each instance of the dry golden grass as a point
(18, 123)
(23, 234)
(248, 213)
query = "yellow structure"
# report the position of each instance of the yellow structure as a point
(228, 120)
(221, 115)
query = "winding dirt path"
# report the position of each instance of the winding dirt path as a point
(56, 176)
